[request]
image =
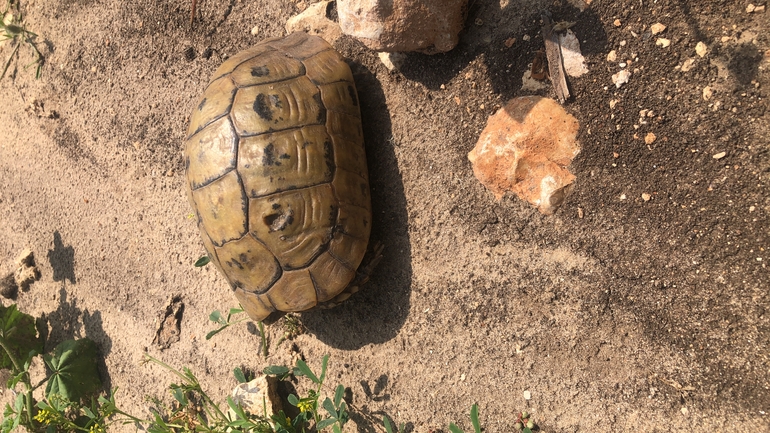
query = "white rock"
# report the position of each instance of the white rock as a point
(392, 61)
(621, 78)
(572, 58)
(527, 395)
(663, 42)
(720, 155)
(314, 21)
(701, 49)
(707, 93)
(612, 56)
(750, 8)
(530, 84)
(657, 28)
(687, 65)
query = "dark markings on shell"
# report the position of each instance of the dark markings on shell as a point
(353, 96)
(268, 157)
(202, 104)
(260, 71)
(321, 109)
(262, 107)
(278, 221)
(276, 101)
(329, 157)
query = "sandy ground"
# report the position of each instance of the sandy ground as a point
(637, 316)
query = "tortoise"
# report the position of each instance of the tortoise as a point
(276, 174)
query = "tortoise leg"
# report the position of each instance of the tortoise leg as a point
(371, 259)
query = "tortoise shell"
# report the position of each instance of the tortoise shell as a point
(276, 174)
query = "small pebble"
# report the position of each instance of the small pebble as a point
(701, 49)
(663, 42)
(525, 37)
(527, 395)
(657, 28)
(621, 78)
(581, 213)
(616, 23)
(612, 56)
(509, 42)
(750, 8)
(623, 196)
(255, 30)
(719, 155)
(687, 65)
(684, 411)
(622, 43)
(649, 138)
(613, 103)
(479, 22)
(707, 93)
(646, 197)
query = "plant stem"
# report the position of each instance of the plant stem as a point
(25, 380)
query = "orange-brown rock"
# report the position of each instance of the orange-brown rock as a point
(526, 148)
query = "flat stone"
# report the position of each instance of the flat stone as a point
(428, 26)
(526, 148)
(572, 58)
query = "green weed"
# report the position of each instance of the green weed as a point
(13, 28)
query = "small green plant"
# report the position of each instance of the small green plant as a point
(71, 381)
(474, 420)
(292, 327)
(202, 261)
(389, 428)
(224, 323)
(12, 28)
(524, 422)
(336, 408)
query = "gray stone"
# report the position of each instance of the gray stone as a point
(428, 26)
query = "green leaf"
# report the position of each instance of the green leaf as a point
(236, 408)
(179, 395)
(388, 427)
(239, 376)
(475, 418)
(526, 430)
(75, 373)
(216, 317)
(329, 406)
(324, 362)
(89, 413)
(276, 370)
(233, 312)
(293, 399)
(215, 332)
(305, 370)
(325, 423)
(338, 393)
(203, 261)
(336, 429)
(19, 336)
(454, 429)
(8, 419)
